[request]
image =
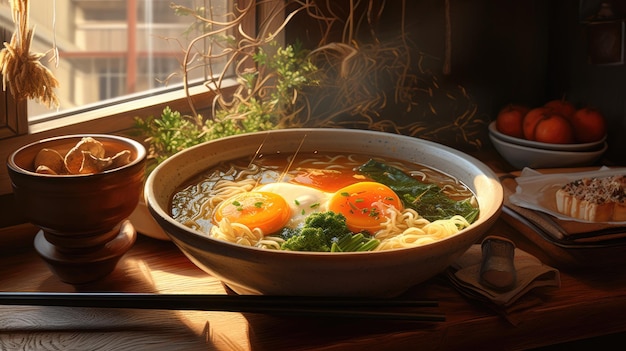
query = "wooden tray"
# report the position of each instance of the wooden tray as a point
(561, 253)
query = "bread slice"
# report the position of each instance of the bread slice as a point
(564, 202)
(598, 199)
(619, 212)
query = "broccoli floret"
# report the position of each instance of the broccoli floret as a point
(309, 239)
(319, 232)
(324, 232)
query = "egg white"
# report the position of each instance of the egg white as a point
(302, 200)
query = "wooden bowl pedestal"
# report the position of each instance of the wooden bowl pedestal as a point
(79, 259)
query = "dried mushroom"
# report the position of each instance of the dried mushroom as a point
(42, 169)
(76, 156)
(87, 157)
(93, 164)
(120, 159)
(50, 161)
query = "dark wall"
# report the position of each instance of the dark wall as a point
(523, 51)
(570, 71)
(499, 48)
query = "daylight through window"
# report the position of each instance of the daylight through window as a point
(111, 49)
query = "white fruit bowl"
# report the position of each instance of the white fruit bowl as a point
(520, 156)
(593, 146)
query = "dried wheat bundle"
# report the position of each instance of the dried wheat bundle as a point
(21, 70)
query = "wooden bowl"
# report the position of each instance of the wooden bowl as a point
(82, 216)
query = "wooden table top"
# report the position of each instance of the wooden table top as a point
(590, 302)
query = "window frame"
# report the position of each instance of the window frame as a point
(116, 117)
(13, 114)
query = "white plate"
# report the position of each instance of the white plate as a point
(547, 146)
(521, 156)
(145, 224)
(537, 191)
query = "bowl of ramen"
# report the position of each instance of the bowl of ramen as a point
(333, 212)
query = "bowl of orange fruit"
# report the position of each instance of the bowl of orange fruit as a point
(556, 134)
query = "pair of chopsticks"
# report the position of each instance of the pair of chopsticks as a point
(344, 307)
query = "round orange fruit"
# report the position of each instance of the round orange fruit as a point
(509, 120)
(531, 119)
(561, 107)
(554, 129)
(589, 125)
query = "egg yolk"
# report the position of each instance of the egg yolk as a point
(327, 180)
(267, 211)
(363, 205)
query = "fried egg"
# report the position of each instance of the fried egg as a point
(271, 207)
(302, 200)
(255, 209)
(364, 205)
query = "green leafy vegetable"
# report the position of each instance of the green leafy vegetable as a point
(353, 243)
(326, 232)
(266, 103)
(427, 199)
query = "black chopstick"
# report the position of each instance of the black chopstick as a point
(278, 305)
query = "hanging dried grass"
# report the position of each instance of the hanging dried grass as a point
(21, 70)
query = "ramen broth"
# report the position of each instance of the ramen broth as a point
(308, 180)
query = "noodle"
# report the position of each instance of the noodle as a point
(236, 233)
(407, 229)
(242, 235)
(194, 205)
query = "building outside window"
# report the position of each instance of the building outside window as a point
(110, 49)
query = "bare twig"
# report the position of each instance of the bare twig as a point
(363, 82)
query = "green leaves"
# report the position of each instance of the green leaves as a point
(272, 94)
(354, 243)
(427, 199)
(169, 134)
(292, 70)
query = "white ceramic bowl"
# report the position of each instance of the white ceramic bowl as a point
(594, 146)
(249, 270)
(520, 156)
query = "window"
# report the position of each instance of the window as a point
(109, 49)
(115, 56)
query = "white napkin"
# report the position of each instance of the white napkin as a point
(531, 273)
